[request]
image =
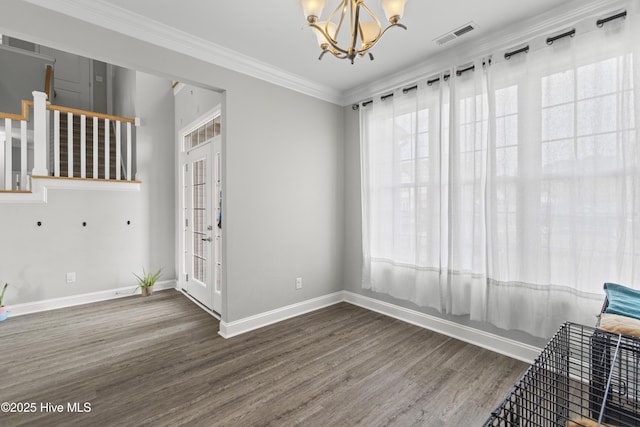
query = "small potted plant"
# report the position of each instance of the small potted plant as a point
(146, 281)
(3, 310)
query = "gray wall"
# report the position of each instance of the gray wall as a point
(124, 92)
(192, 102)
(155, 161)
(22, 73)
(103, 254)
(283, 196)
(99, 86)
(352, 273)
(35, 260)
(282, 165)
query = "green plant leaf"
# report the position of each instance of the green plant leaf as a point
(4, 288)
(147, 279)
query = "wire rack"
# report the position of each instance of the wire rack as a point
(583, 377)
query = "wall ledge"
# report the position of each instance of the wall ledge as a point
(41, 184)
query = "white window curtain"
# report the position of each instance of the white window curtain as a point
(510, 192)
(401, 195)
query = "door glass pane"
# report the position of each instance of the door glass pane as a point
(202, 134)
(185, 214)
(199, 210)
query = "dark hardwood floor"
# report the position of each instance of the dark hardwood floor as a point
(159, 361)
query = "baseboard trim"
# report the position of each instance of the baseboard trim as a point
(496, 343)
(70, 301)
(237, 327)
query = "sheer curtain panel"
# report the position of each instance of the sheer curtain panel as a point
(511, 192)
(401, 179)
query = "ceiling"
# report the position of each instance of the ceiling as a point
(274, 31)
(272, 34)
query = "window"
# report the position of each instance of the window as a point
(510, 193)
(587, 127)
(202, 134)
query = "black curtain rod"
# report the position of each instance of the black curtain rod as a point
(437, 79)
(464, 70)
(508, 55)
(569, 33)
(383, 97)
(409, 89)
(603, 21)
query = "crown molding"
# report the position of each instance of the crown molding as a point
(541, 25)
(102, 14)
(117, 19)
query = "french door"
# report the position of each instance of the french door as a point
(202, 228)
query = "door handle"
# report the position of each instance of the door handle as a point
(208, 239)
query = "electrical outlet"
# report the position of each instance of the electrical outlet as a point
(298, 282)
(71, 277)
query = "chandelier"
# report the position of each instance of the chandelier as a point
(365, 29)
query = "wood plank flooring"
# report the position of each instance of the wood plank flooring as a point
(159, 361)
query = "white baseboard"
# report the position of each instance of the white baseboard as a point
(55, 303)
(237, 327)
(496, 343)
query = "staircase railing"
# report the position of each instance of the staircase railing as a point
(99, 141)
(96, 155)
(7, 183)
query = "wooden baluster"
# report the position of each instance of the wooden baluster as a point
(56, 143)
(106, 149)
(128, 171)
(83, 146)
(118, 154)
(95, 148)
(69, 145)
(23, 155)
(8, 157)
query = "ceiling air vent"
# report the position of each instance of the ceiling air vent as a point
(452, 35)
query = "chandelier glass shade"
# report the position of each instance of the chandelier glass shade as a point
(365, 29)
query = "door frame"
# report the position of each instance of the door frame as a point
(180, 217)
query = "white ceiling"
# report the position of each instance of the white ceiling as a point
(274, 31)
(271, 35)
